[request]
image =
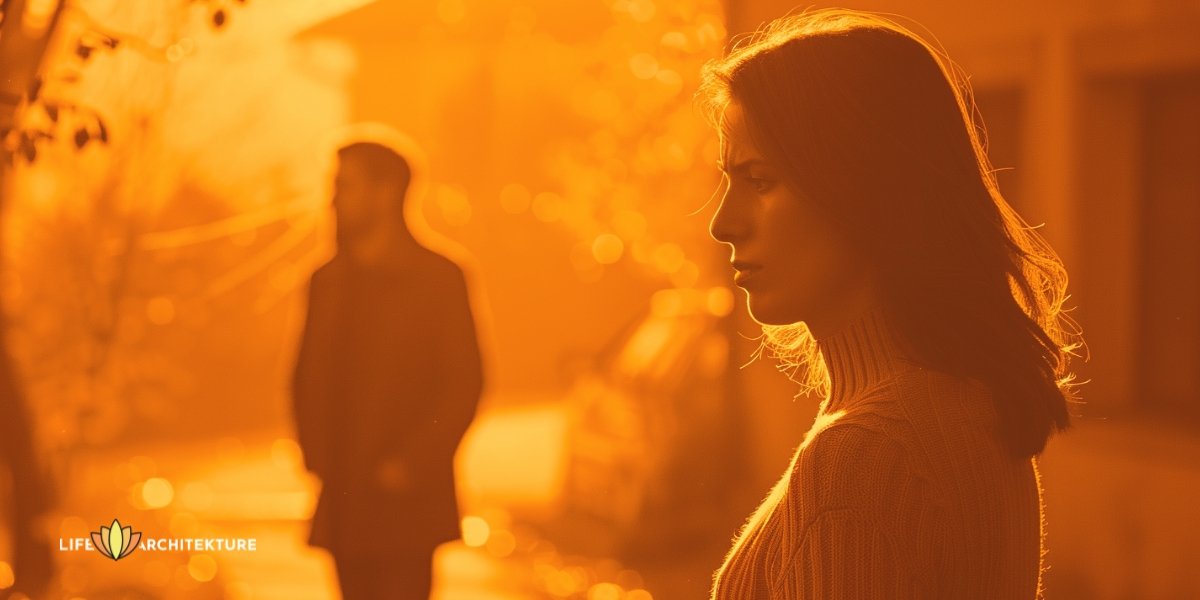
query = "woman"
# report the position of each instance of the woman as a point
(873, 243)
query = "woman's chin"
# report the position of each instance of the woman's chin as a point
(766, 312)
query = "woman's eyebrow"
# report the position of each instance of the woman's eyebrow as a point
(740, 167)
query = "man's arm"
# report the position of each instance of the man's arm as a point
(310, 379)
(460, 378)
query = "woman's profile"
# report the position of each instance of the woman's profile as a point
(869, 233)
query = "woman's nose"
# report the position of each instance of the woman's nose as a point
(727, 225)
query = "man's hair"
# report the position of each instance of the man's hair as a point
(382, 164)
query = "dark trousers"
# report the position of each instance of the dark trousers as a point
(407, 576)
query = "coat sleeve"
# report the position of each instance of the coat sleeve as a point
(459, 378)
(310, 384)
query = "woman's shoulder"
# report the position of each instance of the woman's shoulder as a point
(915, 410)
(853, 458)
(922, 399)
(945, 425)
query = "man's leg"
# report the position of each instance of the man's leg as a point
(354, 580)
(411, 576)
(386, 576)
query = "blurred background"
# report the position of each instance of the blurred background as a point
(165, 198)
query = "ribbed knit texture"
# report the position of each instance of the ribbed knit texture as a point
(900, 490)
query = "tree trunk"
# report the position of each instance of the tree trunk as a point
(23, 43)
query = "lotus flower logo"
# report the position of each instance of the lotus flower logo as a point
(116, 542)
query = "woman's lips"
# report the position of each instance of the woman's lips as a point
(743, 271)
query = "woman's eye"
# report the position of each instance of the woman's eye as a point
(761, 184)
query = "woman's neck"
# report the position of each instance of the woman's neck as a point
(863, 351)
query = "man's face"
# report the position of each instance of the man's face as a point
(359, 203)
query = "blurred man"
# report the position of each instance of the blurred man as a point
(387, 380)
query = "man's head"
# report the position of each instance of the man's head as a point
(371, 184)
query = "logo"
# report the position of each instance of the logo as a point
(116, 542)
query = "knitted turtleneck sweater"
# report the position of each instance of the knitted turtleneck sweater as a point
(900, 490)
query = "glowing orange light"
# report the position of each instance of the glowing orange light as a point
(37, 15)
(605, 591)
(202, 567)
(160, 310)
(675, 40)
(6, 576)
(475, 531)
(638, 10)
(668, 257)
(671, 79)
(184, 579)
(517, 457)
(454, 205)
(686, 275)
(719, 301)
(157, 492)
(666, 303)
(607, 248)
(501, 543)
(644, 66)
(630, 224)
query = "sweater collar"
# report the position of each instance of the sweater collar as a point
(863, 353)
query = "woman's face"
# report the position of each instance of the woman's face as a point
(785, 253)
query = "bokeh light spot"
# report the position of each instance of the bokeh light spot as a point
(719, 301)
(668, 257)
(202, 567)
(160, 310)
(644, 66)
(607, 248)
(501, 543)
(475, 531)
(6, 576)
(629, 224)
(604, 591)
(157, 492)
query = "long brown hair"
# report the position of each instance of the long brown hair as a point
(878, 127)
